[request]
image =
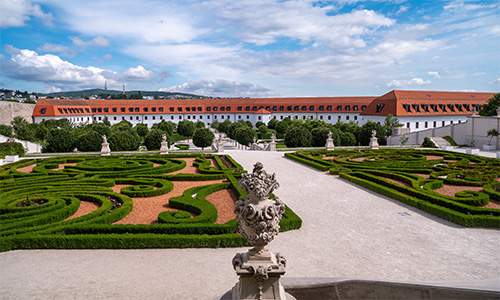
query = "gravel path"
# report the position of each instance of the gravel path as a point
(348, 232)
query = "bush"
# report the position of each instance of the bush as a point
(89, 141)
(244, 135)
(60, 140)
(124, 139)
(141, 129)
(298, 136)
(153, 139)
(450, 140)
(6, 130)
(428, 143)
(166, 127)
(320, 134)
(203, 137)
(186, 128)
(17, 149)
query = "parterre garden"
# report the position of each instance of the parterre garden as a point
(420, 178)
(39, 201)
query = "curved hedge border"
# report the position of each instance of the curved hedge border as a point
(372, 169)
(60, 192)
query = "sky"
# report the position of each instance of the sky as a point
(251, 48)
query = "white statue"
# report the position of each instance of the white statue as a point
(104, 138)
(164, 138)
(329, 134)
(273, 137)
(374, 133)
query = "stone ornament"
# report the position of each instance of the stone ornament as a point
(104, 138)
(164, 138)
(105, 150)
(258, 218)
(374, 133)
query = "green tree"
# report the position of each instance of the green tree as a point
(101, 128)
(365, 133)
(493, 133)
(215, 125)
(123, 138)
(390, 123)
(106, 122)
(200, 124)
(153, 139)
(259, 123)
(17, 149)
(22, 130)
(89, 141)
(186, 128)
(203, 137)
(428, 143)
(244, 135)
(347, 139)
(224, 126)
(6, 130)
(281, 127)
(60, 140)
(298, 136)
(123, 123)
(262, 130)
(490, 108)
(272, 124)
(232, 128)
(320, 134)
(166, 127)
(142, 130)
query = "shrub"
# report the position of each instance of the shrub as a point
(89, 141)
(124, 139)
(166, 127)
(17, 149)
(320, 134)
(141, 129)
(203, 137)
(186, 128)
(450, 140)
(298, 136)
(244, 135)
(60, 140)
(6, 130)
(428, 143)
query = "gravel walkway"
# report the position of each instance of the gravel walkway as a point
(348, 232)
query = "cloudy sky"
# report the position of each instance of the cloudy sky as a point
(251, 48)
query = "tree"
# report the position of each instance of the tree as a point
(203, 137)
(154, 138)
(298, 136)
(390, 123)
(6, 130)
(106, 122)
(101, 128)
(493, 133)
(166, 127)
(215, 125)
(320, 134)
(60, 140)
(224, 126)
(281, 127)
(365, 133)
(200, 124)
(122, 124)
(262, 130)
(272, 123)
(186, 128)
(232, 128)
(22, 130)
(244, 135)
(142, 130)
(490, 109)
(259, 123)
(347, 139)
(89, 141)
(124, 140)
(428, 143)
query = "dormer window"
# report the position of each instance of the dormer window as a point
(355, 107)
(443, 107)
(348, 108)
(407, 107)
(416, 107)
(380, 107)
(339, 107)
(425, 107)
(434, 108)
(459, 107)
(451, 107)
(42, 111)
(467, 107)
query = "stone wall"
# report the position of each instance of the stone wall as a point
(9, 110)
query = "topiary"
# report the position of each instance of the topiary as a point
(244, 135)
(17, 149)
(298, 136)
(89, 141)
(60, 140)
(124, 138)
(186, 128)
(153, 139)
(203, 137)
(428, 143)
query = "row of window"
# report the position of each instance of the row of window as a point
(443, 107)
(208, 108)
(426, 124)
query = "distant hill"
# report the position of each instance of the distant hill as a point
(119, 94)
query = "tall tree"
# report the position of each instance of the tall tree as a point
(203, 137)
(490, 109)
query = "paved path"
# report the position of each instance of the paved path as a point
(348, 232)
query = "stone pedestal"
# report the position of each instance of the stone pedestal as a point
(259, 277)
(220, 147)
(472, 151)
(272, 146)
(373, 143)
(329, 144)
(164, 148)
(105, 151)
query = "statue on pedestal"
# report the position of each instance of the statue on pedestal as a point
(329, 142)
(258, 219)
(374, 140)
(164, 145)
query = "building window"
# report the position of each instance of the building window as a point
(222, 108)
(339, 107)
(380, 107)
(296, 108)
(179, 108)
(355, 107)
(42, 111)
(171, 117)
(407, 124)
(154, 118)
(188, 109)
(254, 108)
(425, 124)
(123, 118)
(106, 109)
(303, 117)
(65, 110)
(425, 107)
(311, 108)
(275, 108)
(268, 108)
(451, 122)
(171, 109)
(222, 117)
(201, 117)
(145, 117)
(347, 117)
(180, 117)
(451, 107)
(87, 110)
(114, 109)
(348, 108)
(137, 118)
(247, 108)
(281, 117)
(189, 117)
(99, 118)
(161, 117)
(130, 109)
(228, 108)
(328, 108)
(289, 108)
(131, 118)
(114, 118)
(282, 108)
(304, 108)
(153, 109)
(355, 118)
(248, 117)
(99, 109)
(442, 123)
(239, 108)
(160, 109)
(407, 107)
(137, 109)
(363, 107)
(122, 109)
(434, 124)
(239, 117)
(199, 108)
(443, 107)
(209, 108)
(416, 124)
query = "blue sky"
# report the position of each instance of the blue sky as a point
(251, 48)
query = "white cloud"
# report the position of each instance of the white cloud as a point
(402, 9)
(98, 41)
(47, 47)
(434, 73)
(14, 13)
(495, 30)
(495, 81)
(468, 90)
(404, 83)
(52, 70)
(222, 88)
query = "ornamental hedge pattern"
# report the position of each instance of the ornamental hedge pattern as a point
(412, 176)
(35, 206)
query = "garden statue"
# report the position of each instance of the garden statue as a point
(374, 140)
(164, 145)
(498, 111)
(273, 137)
(105, 151)
(258, 220)
(272, 144)
(329, 142)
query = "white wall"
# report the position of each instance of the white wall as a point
(30, 147)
